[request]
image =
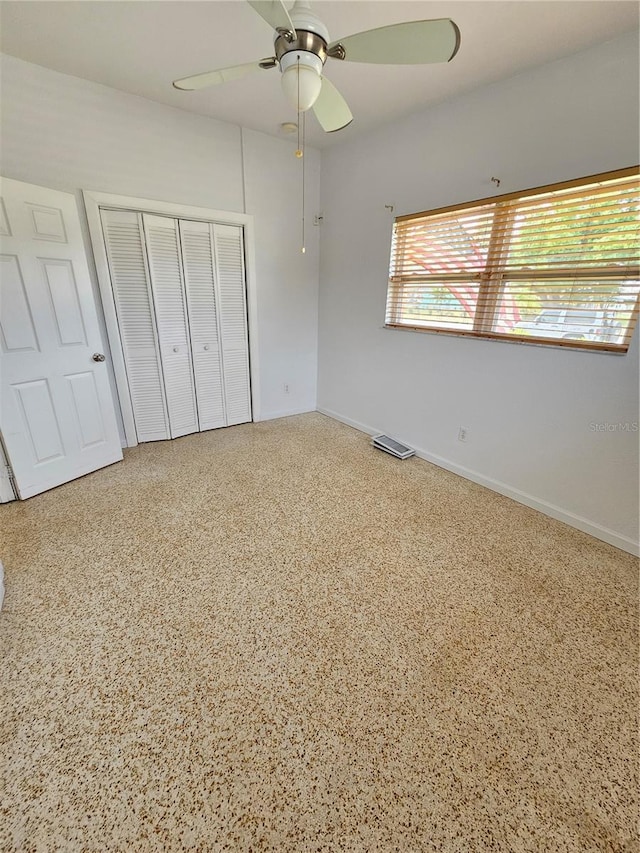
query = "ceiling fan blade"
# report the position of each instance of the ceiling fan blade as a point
(274, 13)
(222, 75)
(331, 109)
(411, 43)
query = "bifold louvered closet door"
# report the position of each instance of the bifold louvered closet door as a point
(199, 266)
(124, 241)
(163, 250)
(180, 295)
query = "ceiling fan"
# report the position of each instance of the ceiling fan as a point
(302, 47)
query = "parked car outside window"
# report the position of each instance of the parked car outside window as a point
(577, 324)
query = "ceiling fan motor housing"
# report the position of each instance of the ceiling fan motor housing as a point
(307, 48)
(303, 18)
(310, 45)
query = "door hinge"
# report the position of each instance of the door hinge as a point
(12, 479)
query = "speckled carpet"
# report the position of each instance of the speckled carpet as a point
(274, 638)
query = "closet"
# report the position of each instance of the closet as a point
(180, 297)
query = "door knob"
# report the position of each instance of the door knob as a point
(206, 347)
(97, 356)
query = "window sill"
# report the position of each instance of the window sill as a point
(545, 343)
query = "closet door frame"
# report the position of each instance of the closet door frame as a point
(93, 201)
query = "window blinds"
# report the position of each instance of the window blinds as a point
(558, 265)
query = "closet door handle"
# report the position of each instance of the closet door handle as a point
(176, 349)
(206, 347)
(97, 356)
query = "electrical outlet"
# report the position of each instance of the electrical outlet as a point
(286, 388)
(462, 433)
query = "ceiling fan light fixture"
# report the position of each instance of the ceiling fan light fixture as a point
(301, 80)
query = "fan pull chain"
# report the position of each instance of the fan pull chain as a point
(304, 249)
(300, 153)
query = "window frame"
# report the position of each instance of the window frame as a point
(494, 273)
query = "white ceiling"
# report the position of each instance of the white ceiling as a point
(140, 47)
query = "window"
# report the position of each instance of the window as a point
(558, 265)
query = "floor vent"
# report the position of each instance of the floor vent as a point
(390, 445)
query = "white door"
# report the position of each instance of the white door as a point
(232, 309)
(204, 321)
(125, 246)
(56, 411)
(163, 250)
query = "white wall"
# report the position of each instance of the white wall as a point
(528, 409)
(70, 134)
(289, 278)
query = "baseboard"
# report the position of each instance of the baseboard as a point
(593, 529)
(285, 413)
(349, 421)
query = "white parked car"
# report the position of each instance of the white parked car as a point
(578, 324)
